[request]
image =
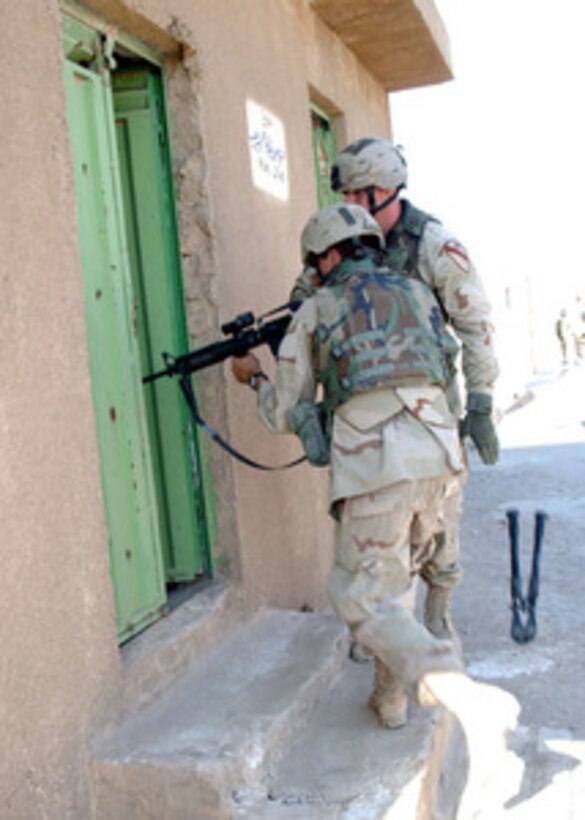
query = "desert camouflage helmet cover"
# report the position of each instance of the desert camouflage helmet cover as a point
(335, 224)
(369, 161)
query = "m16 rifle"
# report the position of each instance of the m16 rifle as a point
(244, 333)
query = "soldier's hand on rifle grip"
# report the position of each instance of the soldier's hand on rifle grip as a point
(244, 367)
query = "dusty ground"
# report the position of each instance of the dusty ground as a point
(542, 467)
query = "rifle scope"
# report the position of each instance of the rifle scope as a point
(241, 322)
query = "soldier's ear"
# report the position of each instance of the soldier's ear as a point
(333, 257)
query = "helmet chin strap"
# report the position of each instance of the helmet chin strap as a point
(373, 207)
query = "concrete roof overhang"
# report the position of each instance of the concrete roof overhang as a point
(403, 43)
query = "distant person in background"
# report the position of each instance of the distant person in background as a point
(579, 331)
(563, 333)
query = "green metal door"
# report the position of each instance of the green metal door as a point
(128, 488)
(324, 153)
(134, 310)
(154, 256)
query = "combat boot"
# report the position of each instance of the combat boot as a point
(437, 615)
(388, 699)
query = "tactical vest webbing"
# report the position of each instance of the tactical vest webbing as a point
(401, 255)
(379, 330)
(402, 242)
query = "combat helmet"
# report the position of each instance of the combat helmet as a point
(338, 223)
(369, 162)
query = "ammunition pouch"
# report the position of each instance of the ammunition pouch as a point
(308, 421)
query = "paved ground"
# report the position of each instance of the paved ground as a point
(542, 467)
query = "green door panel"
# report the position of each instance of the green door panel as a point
(324, 152)
(110, 307)
(159, 314)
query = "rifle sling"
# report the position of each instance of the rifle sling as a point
(189, 393)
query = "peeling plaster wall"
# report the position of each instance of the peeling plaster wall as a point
(60, 668)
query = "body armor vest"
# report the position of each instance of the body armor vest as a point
(401, 256)
(380, 330)
(402, 241)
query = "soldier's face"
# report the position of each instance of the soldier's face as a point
(359, 197)
(384, 212)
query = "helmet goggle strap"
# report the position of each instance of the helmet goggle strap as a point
(374, 207)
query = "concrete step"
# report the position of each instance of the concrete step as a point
(155, 659)
(209, 739)
(344, 765)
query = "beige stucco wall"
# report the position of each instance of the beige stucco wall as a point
(60, 668)
(58, 660)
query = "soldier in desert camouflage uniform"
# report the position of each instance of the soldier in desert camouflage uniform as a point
(372, 172)
(374, 341)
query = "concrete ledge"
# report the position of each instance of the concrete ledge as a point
(446, 770)
(403, 43)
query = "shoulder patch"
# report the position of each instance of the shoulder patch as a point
(457, 253)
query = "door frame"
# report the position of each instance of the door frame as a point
(156, 605)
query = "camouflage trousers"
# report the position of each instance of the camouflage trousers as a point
(383, 541)
(443, 568)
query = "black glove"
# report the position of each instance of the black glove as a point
(478, 425)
